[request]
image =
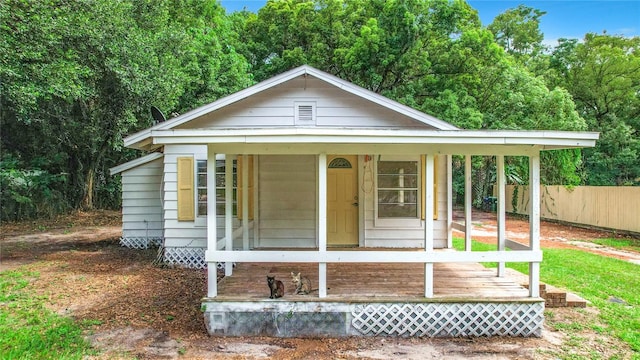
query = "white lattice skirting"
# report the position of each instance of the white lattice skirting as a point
(187, 257)
(449, 319)
(140, 242)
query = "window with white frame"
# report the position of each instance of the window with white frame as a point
(398, 189)
(201, 186)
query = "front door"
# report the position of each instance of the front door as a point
(342, 200)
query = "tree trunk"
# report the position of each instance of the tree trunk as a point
(87, 201)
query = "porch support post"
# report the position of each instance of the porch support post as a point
(428, 224)
(502, 220)
(212, 237)
(449, 201)
(228, 209)
(467, 203)
(245, 202)
(322, 223)
(534, 222)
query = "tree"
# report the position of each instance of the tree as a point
(603, 75)
(517, 30)
(76, 76)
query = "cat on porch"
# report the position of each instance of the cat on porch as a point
(276, 287)
(303, 284)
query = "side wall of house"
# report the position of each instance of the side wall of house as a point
(142, 205)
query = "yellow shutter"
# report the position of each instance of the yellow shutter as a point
(250, 187)
(423, 161)
(186, 193)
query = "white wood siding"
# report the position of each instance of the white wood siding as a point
(142, 201)
(180, 233)
(287, 201)
(397, 236)
(275, 107)
(188, 233)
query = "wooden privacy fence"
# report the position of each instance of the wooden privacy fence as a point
(611, 207)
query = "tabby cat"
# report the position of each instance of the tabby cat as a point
(303, 284)
(276, 287)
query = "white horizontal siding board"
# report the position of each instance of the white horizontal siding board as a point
(282, 224)
(146, 187)
(171, 196)
(145, 217)
(146, 201)
(141, 225)
(188, 233)
(154, 174)
(266, 242)
(171, 205)
(142, 233)
(170, 186)
(288, 233)
(186, 243)
(141, 196)
(141, 211)
(171, 168)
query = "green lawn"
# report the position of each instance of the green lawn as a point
(595, 278)
(31, 331)
(622, 244)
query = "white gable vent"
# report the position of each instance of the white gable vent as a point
(305, 113)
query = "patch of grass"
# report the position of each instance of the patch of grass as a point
(30, 330)
(622, 244)
(596, 278)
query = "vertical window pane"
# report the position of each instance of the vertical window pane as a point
(201, 180)
(201, 186)
(398, 189)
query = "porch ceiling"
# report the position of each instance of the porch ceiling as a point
(377, 141)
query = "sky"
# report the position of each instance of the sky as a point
(564, 18)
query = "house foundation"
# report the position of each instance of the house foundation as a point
(427, 318)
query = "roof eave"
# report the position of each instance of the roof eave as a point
(543, 140)
(135, 163)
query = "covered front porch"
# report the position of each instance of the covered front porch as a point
(419, 291)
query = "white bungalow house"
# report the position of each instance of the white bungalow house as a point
(312, 172)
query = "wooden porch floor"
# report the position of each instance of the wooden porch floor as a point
(378, 282)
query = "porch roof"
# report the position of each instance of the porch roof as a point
(380, 141)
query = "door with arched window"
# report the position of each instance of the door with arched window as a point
(342, 200)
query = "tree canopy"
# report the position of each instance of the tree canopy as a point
(77, 76)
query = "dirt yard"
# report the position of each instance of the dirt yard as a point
(138, 310)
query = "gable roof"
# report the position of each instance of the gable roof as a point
(141, 139)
